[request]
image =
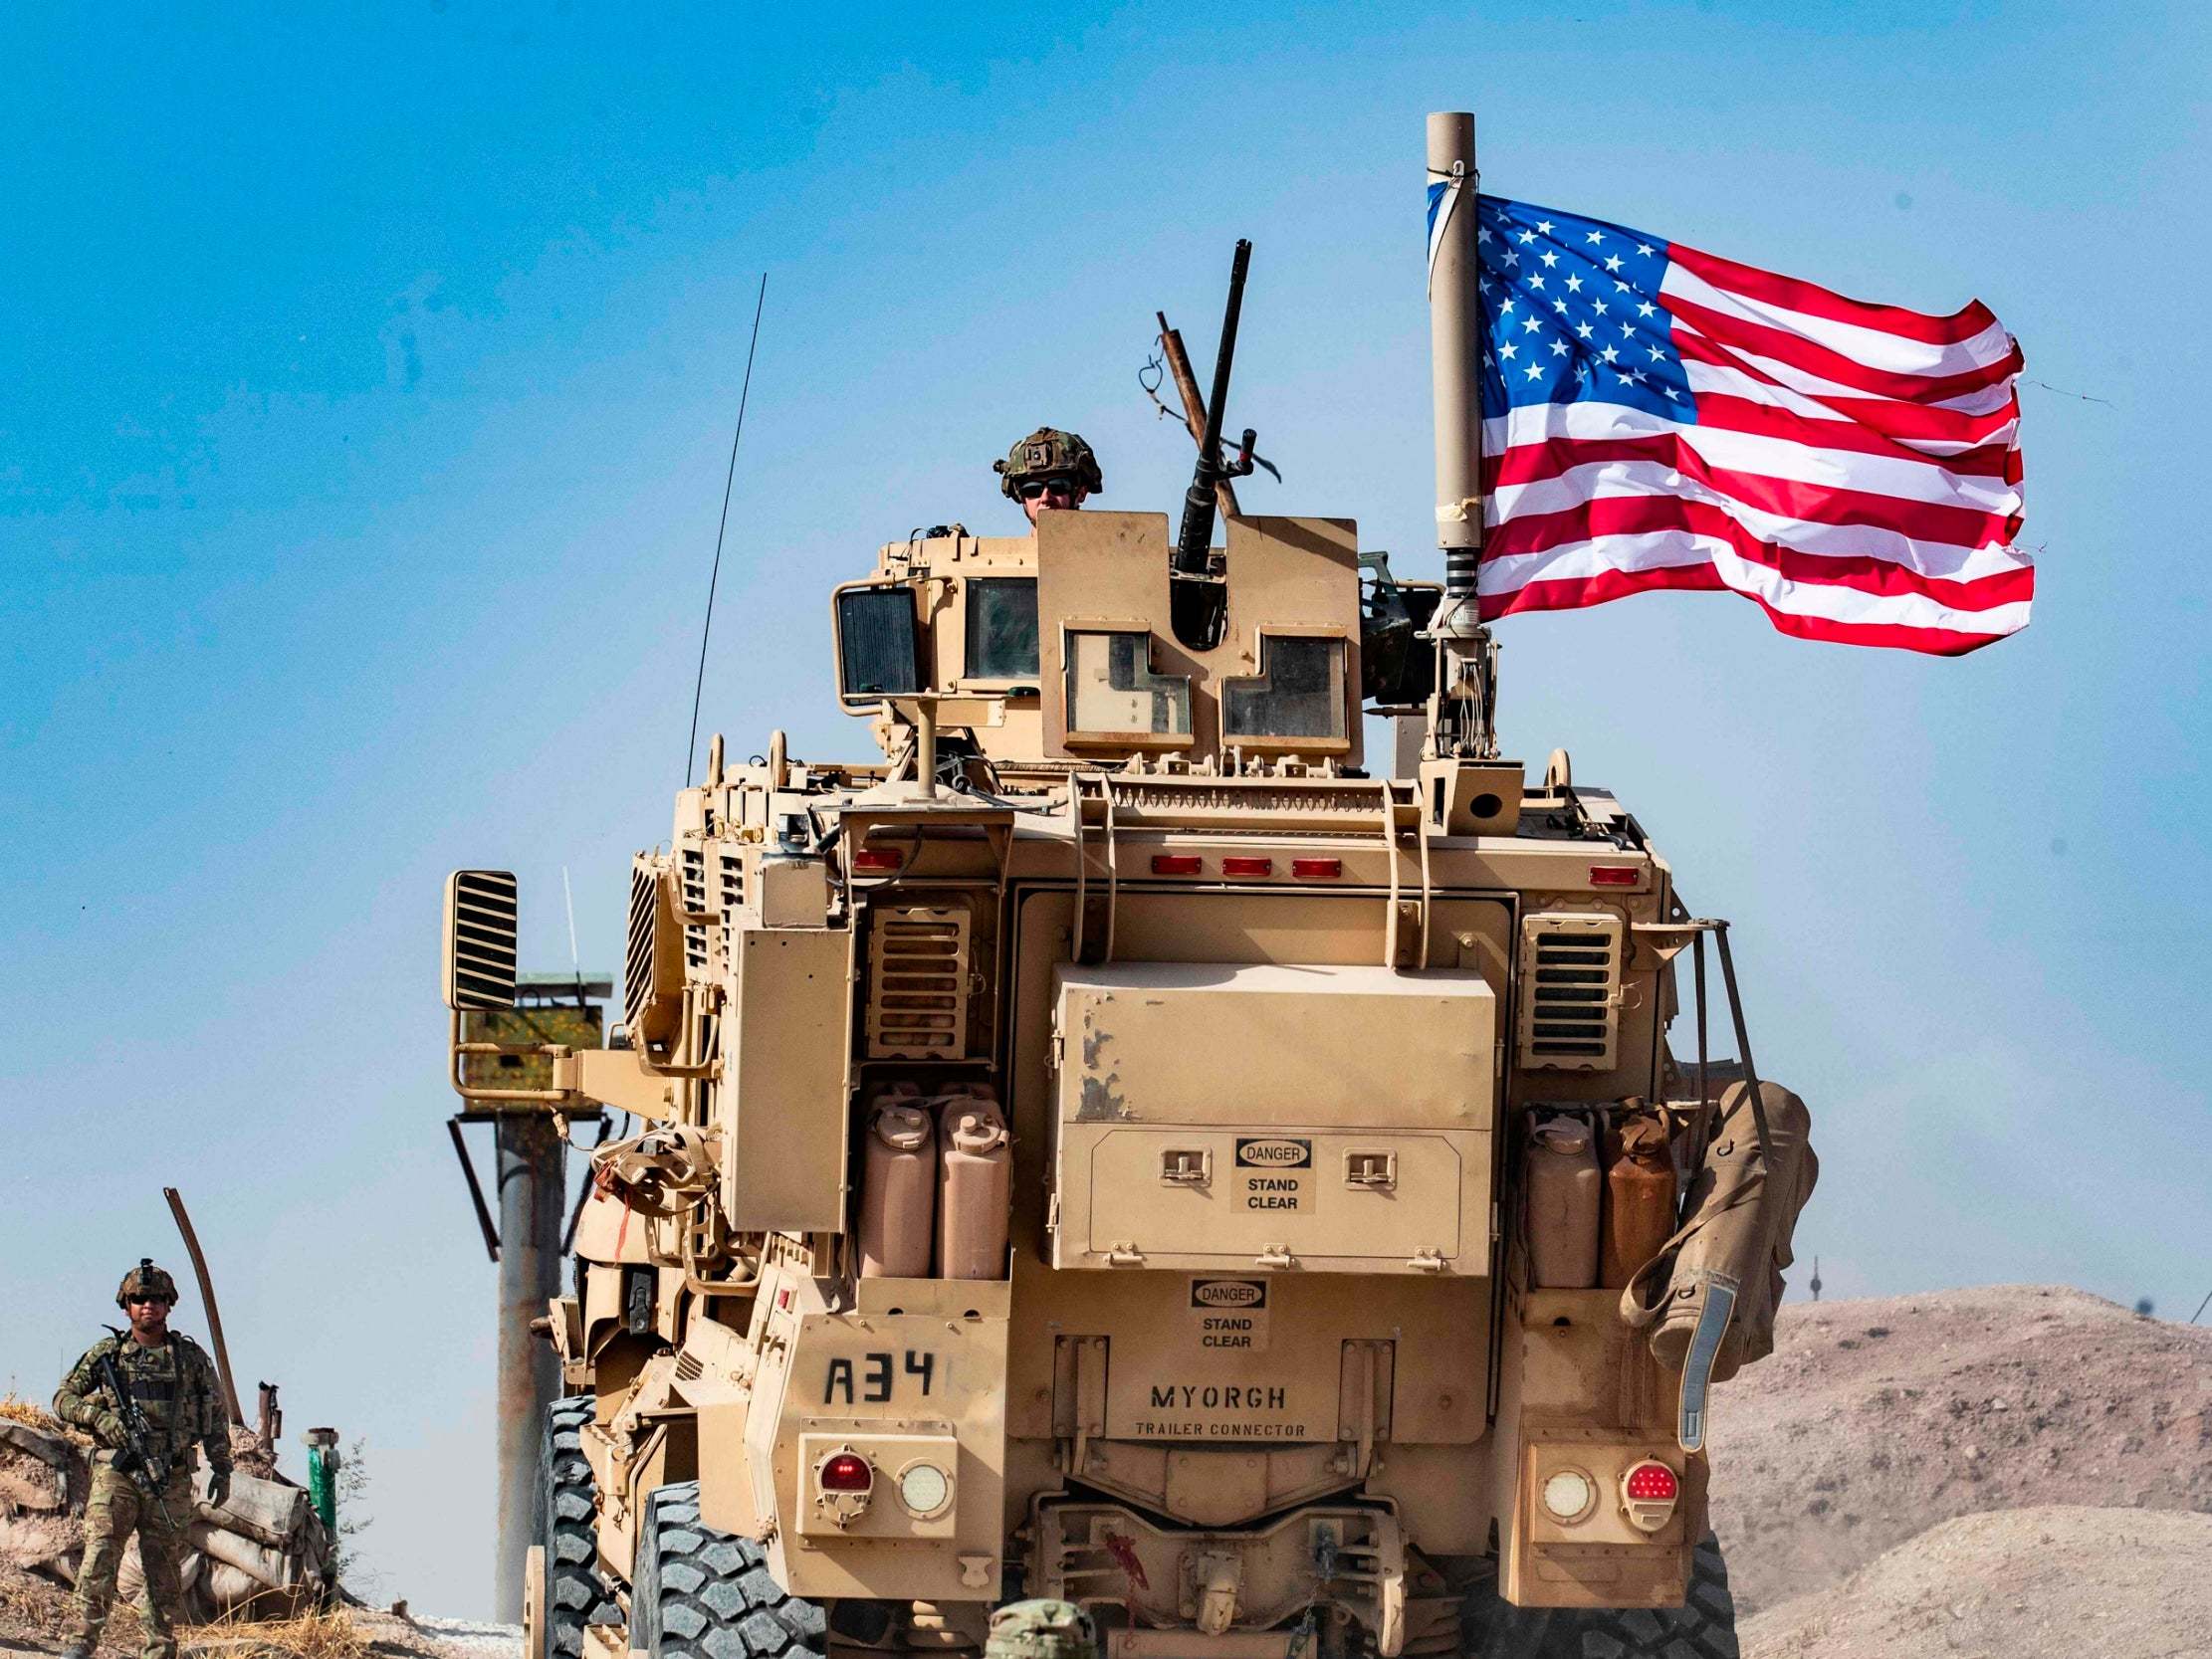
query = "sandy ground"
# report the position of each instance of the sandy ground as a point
(1875, 1420)
(2059, 1580)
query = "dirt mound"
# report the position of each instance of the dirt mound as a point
(1877, 1421)
(2090, 1583)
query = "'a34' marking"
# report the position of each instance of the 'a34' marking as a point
(870, 1379)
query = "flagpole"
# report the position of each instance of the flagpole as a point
(1460, 721)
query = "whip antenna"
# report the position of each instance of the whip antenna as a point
(691, 743)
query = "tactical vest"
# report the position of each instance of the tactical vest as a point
(174, 1385)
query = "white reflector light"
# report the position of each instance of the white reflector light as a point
(1568, 1494)
(925, 1490)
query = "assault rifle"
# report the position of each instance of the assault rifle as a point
(148, 1470)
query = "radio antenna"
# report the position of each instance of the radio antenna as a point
(699, 686)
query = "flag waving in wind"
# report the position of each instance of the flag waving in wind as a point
(1655, 417)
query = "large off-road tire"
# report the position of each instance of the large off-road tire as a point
(702, 1594)
(567, 1527)
(1703, 1628)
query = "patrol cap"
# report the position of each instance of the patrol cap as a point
(1048, 452)
(1040, 1629)
(146, 1280)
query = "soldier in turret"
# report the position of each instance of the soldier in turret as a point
(173, 1383)
(1049, 469)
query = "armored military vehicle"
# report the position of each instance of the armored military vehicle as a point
(1123, 1144)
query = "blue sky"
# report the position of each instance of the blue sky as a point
(363, 409)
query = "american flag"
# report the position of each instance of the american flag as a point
(1655, 417)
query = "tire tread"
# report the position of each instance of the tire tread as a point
(704, 1595)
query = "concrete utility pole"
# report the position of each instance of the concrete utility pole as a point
(503, 1051)
(533, 1188)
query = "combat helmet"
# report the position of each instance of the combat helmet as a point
(146, 1280)
(1047, 452)
(1040, 1629)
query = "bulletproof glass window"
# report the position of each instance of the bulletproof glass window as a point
(1111, 687)
(877, 643)
(1298, 692)
(1002, 628)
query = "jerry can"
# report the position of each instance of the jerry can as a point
(1564, 1179)
(898, 1188)
(973, 1187)
(1639, 1195)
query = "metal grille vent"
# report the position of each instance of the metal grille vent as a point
(652, 978)
(918, 973)
(730, 865)
(1570, 1011)
(688, 1367)
(691, 868)
(480, 963)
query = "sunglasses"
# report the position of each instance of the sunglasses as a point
(1037, 488)
(145, 1301)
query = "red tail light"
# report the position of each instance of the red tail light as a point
(1653, 1483)
(877, 861)
(1248, 867)
(1317, 869)
(1615, 875)
(847, 1472)
(1176, 864)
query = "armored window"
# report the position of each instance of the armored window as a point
(878, 645)
(1002, 628)
(1112, 690)
(1298, 692)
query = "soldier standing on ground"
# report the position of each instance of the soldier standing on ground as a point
(175, 1382)
(1049, 468)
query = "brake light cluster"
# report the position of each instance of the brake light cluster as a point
(847, 1472)
(844, 1483)
(1647, 1494)
(1248, 867)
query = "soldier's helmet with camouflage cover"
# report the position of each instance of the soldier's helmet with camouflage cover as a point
(146, 1280)
(1048, 452)
(1040, 1629)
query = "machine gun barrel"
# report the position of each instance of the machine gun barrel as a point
(1199, 501)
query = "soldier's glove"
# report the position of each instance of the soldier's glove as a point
(108, 1430)
(218, 1489)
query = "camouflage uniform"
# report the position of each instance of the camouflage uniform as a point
(1040, 1629)
(176, 1387)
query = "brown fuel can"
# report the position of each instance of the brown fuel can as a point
(1563, 1186)
(1640, 1194)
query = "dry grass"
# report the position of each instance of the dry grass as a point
(330, 1635)
(30, 1602)
(13, 1406)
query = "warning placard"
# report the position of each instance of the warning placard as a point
(1230, 1315)
(1274, 1173)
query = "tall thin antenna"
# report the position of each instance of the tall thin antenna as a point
(575, 960)
(699, 686)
